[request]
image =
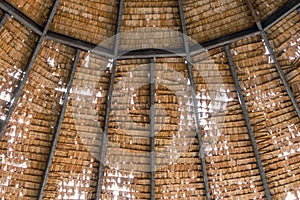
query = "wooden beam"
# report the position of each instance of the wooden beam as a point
(58, 126)
(195, 102)
(152, 129)
(284, 11)
(108, 104)
(4, 19)
(248, 123)
(294, 4)
(30, 63)
(80, 44)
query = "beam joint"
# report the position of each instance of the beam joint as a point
(272, 54)
(4, 19)
(195, 102)
(248, 123)
(18, 92)
(21, 17)
(59, 125)
(277, 16)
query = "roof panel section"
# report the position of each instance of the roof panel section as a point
(207, 20)
(16, 45)
(28, 137)
(285, 37)
(38, 10)
(77, 155)
(178, 166)
(265, 8)
(92, 21)
(150, 24)
(231, 166)
(273, 117)
(127, 161)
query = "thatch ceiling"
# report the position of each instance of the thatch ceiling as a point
(148, 99)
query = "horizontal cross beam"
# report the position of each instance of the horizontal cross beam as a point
(289, 7)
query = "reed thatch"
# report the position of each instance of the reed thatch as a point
(131, 99)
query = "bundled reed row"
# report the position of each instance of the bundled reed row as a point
(178, 168)
(230, 159)
(26, 144)
(285, 37)
(36, 10)
(206, 20)
(273, 117)
(15, 51)
(266, 8)
(137, 14)
(150, 24)
(127, 161)
(74, 170)
(92, 21)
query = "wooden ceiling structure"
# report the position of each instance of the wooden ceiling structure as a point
(90, 102)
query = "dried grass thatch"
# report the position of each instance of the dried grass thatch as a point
(86, 123)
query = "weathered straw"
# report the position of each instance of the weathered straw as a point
(232, 170)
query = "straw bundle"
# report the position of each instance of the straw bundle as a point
(25, 146)
(82, 20)
(150, 24)
(179, 173)
(274, 120)
(150, 14)
(36, 10)
(266, 8)
(15, 51)
(207, 20)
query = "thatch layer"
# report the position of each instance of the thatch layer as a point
(207, 20)
(178, 167)
(265, 8)
(127, 162)
(36, 10)
(137, 14)
(16, 45)
(285, 37)
(274, 121)
(231, 165)
(79, 145)
(150, 24)
(230, 159)
(82, 20)
(27, 141)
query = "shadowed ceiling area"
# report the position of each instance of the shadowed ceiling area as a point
(148, 99)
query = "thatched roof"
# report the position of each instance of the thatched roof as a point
(148, 99)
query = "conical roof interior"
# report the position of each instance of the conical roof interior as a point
(148, 99)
